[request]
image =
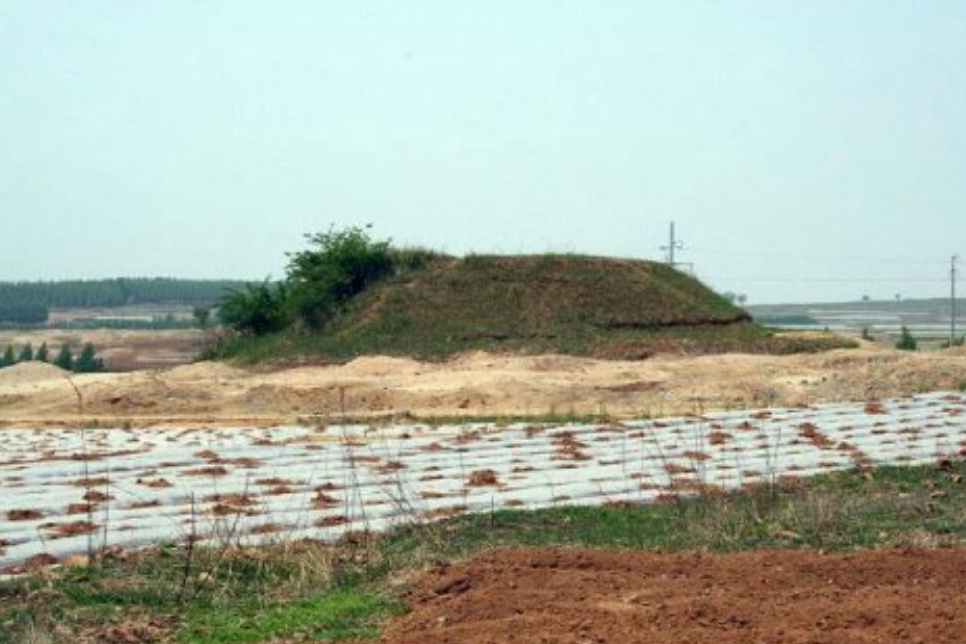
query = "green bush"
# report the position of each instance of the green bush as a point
(87, 361)
(258, 309)
(26, 353)
(340, 264)
(906, 341)
(202, 315)
(64, 359)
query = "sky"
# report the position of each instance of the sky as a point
(807, 151)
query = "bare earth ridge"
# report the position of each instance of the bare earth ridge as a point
(780, 597)
(471, 385)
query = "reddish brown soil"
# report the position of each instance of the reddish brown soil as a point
(779, 597)
(24, 515)
(69, 529)
(481, 478)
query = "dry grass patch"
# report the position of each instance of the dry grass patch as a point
(482, 478)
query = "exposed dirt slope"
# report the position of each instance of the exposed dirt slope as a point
(781, 597)
(477, 384)
(29, 372)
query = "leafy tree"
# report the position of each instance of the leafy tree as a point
(202, 315)
(319, 281)
(26, 354)
(42, 352)
(906, 341)
(258, 309)
(64, 359)
(7, 358)
(340, 264)
(87, 361)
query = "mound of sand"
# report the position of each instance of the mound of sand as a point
(379, 366)
(203, 371)
(480, 384)
(30, 372)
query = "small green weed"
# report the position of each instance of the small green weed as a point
(341, 614)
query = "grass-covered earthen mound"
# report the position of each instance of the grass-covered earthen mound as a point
(593, 306)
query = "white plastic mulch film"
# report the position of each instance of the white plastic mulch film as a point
(66, 491)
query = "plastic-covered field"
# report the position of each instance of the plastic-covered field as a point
(64, 491)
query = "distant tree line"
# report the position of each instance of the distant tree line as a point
(20, 301)
(87, 361)
(27, 303)
(22, 312)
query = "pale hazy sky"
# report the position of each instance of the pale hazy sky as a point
(806, 149)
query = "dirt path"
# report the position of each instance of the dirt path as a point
(781, 597)
(474, 385)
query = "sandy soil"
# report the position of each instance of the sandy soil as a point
(780, 597)
(473, 385)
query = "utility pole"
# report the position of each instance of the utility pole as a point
(953, 273)
(673, 245)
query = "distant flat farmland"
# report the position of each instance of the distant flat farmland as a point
(122, 349)
(925, 318)
(135, 312)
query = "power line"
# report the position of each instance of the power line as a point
(672, 246)
(848, 258)
(848, 280)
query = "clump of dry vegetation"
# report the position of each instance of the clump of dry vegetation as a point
(481, 478)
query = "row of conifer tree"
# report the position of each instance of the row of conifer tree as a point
(86, 361)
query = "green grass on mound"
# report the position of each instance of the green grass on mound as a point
(602, 307)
